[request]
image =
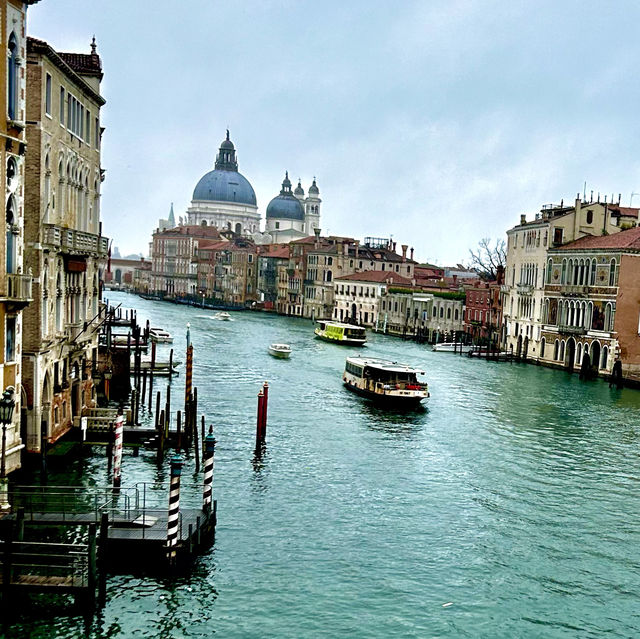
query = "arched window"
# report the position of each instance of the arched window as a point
(456, 315)
(562, 351)
(592, 275)
(612, 272)
(11, 235)
(579, 353)
(542, 345)
(563, 279)
(329, 276)
(555, 350)
(203, 223)
(238, 228)
(604, 358)
(12, 77)
(441, 311)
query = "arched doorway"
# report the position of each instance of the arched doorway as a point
(526, 348)
(519, 348)
(571, 354)
(595, 357)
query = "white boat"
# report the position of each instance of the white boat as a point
(452, 347)
(160, 336)
(222, 315)
(385, 381)
(280, 350)
(339, 333)
(160, 366)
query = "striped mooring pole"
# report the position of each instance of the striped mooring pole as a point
(173, 522)
(117, 451)
(209, 450)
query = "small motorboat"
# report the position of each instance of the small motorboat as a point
(160, 336)
(281, 351)
(222, 315)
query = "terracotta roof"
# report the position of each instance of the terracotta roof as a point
(629, 239)
(212, 244)
(625, 211)
(274, 250)
(83, 63)
(377, 276)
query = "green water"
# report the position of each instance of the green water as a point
(508, 507)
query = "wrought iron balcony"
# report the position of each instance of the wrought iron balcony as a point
(74, 242)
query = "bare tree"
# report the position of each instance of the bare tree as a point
(486, 258)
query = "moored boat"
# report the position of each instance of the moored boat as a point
(384, 380)
(452, 347)
(282, 351)
(160, 336)
(339, 333)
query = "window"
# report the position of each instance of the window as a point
(12, 78)
(589, 216)
(277, 225)
(10, 340)
(62, 99)
(557, 235)
(47, 95)
(96, 133)
(612, 273)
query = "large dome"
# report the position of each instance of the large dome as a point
(286, 205)
(225, 186)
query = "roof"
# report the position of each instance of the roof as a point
(384, 364)
(285, 206)
(274, 250)
(222, 185)
(40, 47)
(629, 240)
(83, 63)
(377, 276)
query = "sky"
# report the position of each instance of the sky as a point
(434, 122)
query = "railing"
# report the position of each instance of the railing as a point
(74, 240)
(571, 330)
(19, 287)
(525, 289)
(504, 288)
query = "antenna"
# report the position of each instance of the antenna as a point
(584, 192)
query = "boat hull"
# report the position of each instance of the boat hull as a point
(344, 341)
(392, 398)
(279, 354)
(452, 348)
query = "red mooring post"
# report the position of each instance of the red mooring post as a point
(259, 439)
(265, 402)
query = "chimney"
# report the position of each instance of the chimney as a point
(411, 254)
(523, 219)
(316, 242)
(345, 248)
(394, 247)
(499, 274)
(404, 252)
(357, 248)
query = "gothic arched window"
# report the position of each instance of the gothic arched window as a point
(12, 77)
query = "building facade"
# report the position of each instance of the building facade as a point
(527, 246)
(591, 309)
(65, 248)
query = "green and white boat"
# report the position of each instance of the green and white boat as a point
(339, 333)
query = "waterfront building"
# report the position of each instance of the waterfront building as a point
(358, 296)
(270, 257)
(527, 246)
(224, 198)
(64, 246)
(591, 310)
(121, 272)
(228, 271)
(292, 216)
(174, 270)
(483, 310)
(15, 279)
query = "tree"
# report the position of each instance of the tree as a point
(487, 258)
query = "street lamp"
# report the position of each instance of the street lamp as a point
(7, 404)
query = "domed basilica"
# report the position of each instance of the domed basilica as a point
(224, 198)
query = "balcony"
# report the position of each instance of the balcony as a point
(525, 289)
(504, 288)
(18, 291)
(572, 290)
(74, 242)
(565, 329)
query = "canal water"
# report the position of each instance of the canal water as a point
(508, 507)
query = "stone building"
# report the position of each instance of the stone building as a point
(224, 198)
(270, 257)
(591, 308)
(15, 280)
(527, 246)
(65, 248)
(174, 270)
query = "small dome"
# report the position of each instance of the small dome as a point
(225, 186)
(299, 190)
(286, 207)
(313, 189)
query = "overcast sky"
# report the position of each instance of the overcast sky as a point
(437, 122)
